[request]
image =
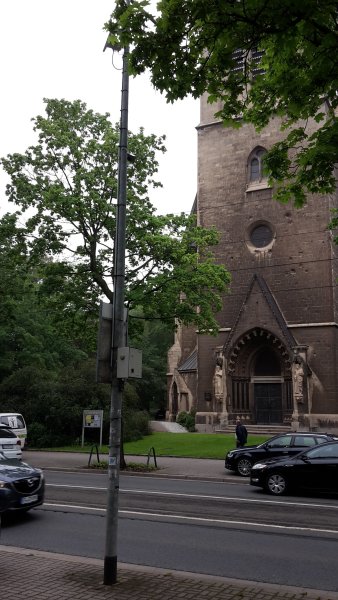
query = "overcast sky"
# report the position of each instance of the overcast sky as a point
(55, 50)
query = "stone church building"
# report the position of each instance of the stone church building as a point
(275, 358)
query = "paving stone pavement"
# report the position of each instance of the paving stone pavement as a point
(35, 575)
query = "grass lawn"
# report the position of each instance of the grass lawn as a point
(190, 445)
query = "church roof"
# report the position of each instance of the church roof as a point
(190, 364)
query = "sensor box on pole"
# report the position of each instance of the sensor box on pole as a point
(129, 363)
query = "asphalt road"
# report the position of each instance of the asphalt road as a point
(228, 529)
(233, 500)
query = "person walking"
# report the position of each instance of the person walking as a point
(241, 434)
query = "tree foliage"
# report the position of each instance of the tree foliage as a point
(65, 187)
(43, 369)
(28, 335)
(47, 371)
(288, 52)
(154, 338)
(57, 261)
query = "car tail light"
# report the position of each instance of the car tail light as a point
(18, 443)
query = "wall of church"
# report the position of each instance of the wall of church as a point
(301, 253)
(184, 343)
(335, 275)
(299, 266)
(206, 369)
(322, 357)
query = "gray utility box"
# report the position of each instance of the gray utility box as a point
(129, 363)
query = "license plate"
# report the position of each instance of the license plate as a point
(8, 446)
(29, 499)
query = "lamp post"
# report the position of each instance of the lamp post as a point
(110, 558)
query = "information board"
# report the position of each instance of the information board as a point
(92, 419)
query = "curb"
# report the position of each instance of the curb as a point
(230, 479)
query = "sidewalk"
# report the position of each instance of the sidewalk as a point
(36, 575)
(189, 468)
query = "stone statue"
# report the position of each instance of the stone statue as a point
(298, 379)
(218, 380)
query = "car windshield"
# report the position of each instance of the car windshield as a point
(15, 421)
(5, 462)
(327, 451)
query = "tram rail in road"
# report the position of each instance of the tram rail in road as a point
(224, 509)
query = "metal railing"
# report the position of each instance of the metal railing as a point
(151, 452)
(91, 454)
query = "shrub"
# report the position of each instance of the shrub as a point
(181, 418)
(187, 420)
(135, 425)
(39, 436)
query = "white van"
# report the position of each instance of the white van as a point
(16, 422)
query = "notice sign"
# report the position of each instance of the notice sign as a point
(92, 420)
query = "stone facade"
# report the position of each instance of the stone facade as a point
(275, 357)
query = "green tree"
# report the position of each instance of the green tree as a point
(257, 59)
(154, 339)
(65, 187)
(27, 335)
(40, 364)
(53, 400)
(46, 339)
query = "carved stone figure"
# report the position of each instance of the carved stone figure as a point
(218, 381)
(298, 379)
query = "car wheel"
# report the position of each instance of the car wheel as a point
(276, 484)
(244, 467)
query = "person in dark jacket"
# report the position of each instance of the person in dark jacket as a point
(241, 434)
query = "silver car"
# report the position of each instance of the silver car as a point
(10, 444)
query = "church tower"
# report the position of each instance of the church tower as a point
(274, 360)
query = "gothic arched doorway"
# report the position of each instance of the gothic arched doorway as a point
(259, 381)
(267, 391)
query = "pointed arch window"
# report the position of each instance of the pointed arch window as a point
(254, 169)
(256, 175)
(256, 165)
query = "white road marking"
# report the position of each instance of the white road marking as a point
(77, 506)
(204, 496)
(200, 519)
(77, 487)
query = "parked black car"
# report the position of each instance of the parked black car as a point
(313, 469)
(21, 486)
(288, 444)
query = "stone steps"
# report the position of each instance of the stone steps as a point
(167, 426)
(257, 429)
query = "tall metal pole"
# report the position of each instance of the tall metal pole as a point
(110, 559)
